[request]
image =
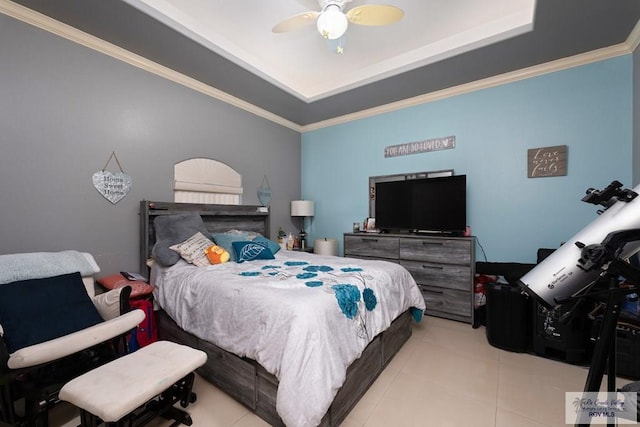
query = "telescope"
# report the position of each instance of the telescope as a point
(570, 269)
(595, 257)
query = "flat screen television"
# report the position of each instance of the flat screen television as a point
(428, 205)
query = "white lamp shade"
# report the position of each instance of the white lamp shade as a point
(332, 23)
(301, 208)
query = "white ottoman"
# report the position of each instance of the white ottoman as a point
(127, 387)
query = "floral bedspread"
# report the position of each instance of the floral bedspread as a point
(305, 318)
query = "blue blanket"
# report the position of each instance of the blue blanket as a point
(38, 265)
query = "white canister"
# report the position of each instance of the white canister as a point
(325, 247)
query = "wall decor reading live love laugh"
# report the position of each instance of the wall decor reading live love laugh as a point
(112, 186)
(435, 144)
(547, 161)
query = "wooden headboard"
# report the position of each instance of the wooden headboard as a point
(217, 218)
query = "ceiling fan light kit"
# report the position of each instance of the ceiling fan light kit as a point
(332, 23)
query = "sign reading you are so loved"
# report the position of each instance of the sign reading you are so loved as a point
(434, 144)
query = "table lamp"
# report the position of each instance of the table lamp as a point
(304, 209)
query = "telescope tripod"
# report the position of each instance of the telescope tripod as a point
(605, 256)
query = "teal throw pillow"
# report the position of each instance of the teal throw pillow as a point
(249, 251)
(226, 241)
(273, 246)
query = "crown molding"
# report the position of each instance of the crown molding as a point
(60, 29)
(634, 38)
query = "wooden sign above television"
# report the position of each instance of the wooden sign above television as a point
(547, 161)
(435, 144)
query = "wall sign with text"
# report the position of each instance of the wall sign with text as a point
(434, 144)
(547, 161)
(112, 185)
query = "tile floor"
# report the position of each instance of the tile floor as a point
(447, 374)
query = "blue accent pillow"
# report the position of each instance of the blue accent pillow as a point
(273, 246)
(249, 251)
(38, 310)
(226, 241)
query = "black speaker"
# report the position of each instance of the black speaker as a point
(562, 333)
(508, 317)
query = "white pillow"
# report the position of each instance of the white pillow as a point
(108, 304)
(192, 250)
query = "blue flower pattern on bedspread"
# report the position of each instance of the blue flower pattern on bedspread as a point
(349, 296)
(370, 300)
(316, 268)
(250, 273)
(314, 283)
(295, 263)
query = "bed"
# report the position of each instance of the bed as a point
(297, 338)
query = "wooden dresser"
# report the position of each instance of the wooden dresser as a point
(443, 267)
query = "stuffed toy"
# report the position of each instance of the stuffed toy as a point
(216, 254)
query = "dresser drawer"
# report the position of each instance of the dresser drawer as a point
(450, 276)
(447, 302)
(371, 246)
(448, 251)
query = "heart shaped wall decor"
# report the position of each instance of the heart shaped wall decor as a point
(112, 186)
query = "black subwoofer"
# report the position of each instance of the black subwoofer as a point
(508, 317)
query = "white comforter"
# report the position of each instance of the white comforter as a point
(284, 313)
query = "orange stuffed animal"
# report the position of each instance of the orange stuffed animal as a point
(216, 254)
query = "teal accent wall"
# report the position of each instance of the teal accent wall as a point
(587, 108)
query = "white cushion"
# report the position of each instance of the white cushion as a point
(75, 342)
(108, 303)
(114, 390)
(89, 284)
(87, 256)
(88, 280)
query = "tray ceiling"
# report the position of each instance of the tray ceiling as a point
(439, 44)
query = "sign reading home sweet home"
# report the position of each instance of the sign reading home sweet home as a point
(112, 186)
(547, 161)
(435, 144)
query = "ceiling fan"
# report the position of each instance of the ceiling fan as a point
(332, 21)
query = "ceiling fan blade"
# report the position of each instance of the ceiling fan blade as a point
(374, 14)
(310, 4)
(296, 22)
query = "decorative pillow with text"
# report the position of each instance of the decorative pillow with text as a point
(193, 249)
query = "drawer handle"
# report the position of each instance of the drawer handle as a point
(431, 291)
(432, 243)
(433, 267)
(370, 240)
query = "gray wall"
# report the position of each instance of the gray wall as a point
(636, 118)
(63, 110)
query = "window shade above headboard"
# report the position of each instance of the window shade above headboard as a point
(206, 181)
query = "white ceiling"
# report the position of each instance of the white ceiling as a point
(301, 62)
